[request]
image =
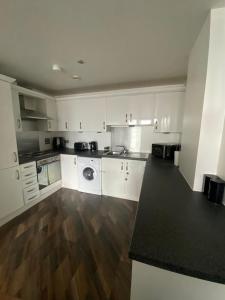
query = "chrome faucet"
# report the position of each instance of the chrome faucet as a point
(124, 151)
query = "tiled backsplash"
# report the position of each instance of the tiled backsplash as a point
(140, 139)
(102, 138)
(136, 139)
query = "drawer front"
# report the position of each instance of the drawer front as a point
(29, 182)
(32, 197)
(28, 166)
(29, 174)
(30, 190)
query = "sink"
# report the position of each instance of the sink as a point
(113, 153)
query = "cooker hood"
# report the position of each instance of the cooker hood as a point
(28, 114)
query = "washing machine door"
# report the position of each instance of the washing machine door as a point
(89, 173)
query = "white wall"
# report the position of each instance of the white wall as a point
(150, 283)
(195, 90)
(221, 163)
(205, 102)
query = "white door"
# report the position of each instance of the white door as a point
(169, 112)
(9, 155)
(113, 177)
(117, 110)
(92, 114)
(16, 110)
(69, 171)
(134, 172)
(51, 111)
(11, 197)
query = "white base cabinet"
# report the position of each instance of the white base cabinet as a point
(122, 178)
(69, 171)
(11, 197)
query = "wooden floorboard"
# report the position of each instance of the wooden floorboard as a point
(71, 246)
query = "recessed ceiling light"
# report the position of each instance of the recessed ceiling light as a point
(56, 68)
(81, 61)
(76, 77)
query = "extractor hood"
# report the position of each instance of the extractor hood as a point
(27, 114)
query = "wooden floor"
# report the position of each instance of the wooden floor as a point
(70, 246)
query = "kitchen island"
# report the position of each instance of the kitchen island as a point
(177, 230)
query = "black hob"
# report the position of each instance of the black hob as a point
(34, 156)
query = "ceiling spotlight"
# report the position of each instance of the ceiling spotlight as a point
(81, 61)
(56, 68)
(76, 77)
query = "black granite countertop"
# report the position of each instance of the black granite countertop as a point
(177, 229)
(96, 154)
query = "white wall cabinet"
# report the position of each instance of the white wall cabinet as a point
(133, 109)
(51, 111)
(9, 155)
(11, 197)
(69, 171)
(122, 178)
(169, 112)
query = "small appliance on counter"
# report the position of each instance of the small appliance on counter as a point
(165, 150)
(214, 188)
(93, 146)
(58, 143)
(81, 146)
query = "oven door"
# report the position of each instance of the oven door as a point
(54, 172)
(42, 172)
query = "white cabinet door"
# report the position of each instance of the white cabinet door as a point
(69, 171)
(169, 112)
(16, 110)
(92, 114)
(51, 110)
(9, 156)
(141, 109)
(134, 172)
(113, 177)
(117, 110)
(67, 115)
(11, 197)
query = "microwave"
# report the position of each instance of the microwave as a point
(165, 151)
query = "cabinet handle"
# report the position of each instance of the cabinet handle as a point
(29, 182)
(125, 179)
(31, 190)
(104, 125)
(126, 118)
(18, 123)
(156, 124)
(66, 125)
(75, 161)
(28, 167)
(80, 125)
(121, 166)
(32, 197)
(126, 166)
(49, 125)
(17, 175)
(27, 175)
(15, 156)
(131, 117)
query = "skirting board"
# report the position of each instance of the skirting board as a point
(47, 192)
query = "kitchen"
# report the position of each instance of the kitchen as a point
(102, 186)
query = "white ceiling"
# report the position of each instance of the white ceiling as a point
(123, 41)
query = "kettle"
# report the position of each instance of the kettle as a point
(93, 146)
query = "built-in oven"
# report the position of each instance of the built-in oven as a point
(48, 171)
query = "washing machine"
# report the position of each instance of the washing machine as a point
(89, 175)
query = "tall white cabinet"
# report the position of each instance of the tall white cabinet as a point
(11, 196)
(9, 155)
